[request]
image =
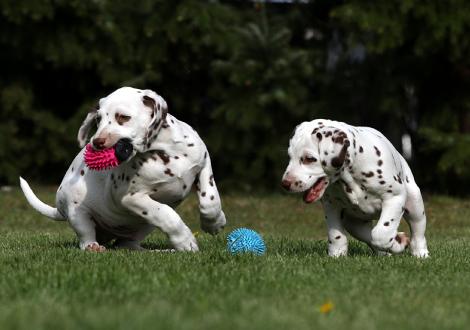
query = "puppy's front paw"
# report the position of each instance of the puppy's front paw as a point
(424, 253)
(337, 251)
(213, 226)
(185, 242)
(94, 247)
(419, 248)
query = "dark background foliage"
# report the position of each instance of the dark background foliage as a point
(243, 74)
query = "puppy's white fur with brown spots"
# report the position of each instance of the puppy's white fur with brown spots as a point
(127, 202)
(359, 176)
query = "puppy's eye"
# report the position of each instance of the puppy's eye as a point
(121, 119)
(309, 160)
(98, 119)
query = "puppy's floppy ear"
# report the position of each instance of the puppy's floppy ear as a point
(333, 145)
(340, 138)
(157, 105)
(339, 159)
(87, 124)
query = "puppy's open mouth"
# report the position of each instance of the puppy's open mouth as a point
(316, 191)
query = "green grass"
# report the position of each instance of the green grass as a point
(46, 282)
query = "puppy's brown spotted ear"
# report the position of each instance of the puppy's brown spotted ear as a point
(340, 138)
(333, 147)
(338, 160)
(86, 126)
(157, 105)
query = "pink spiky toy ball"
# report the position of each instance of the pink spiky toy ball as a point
(107, 158)
(100, 159)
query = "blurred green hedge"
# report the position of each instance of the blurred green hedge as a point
(243, 74)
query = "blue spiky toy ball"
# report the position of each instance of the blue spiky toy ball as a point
(243, 240)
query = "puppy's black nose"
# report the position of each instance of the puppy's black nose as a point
(286, 184)
(98, 143)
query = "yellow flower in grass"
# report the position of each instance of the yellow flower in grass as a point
(326, 307)
(196, 234)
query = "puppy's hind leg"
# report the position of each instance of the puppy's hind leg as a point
(362, 231)
(210, 207)
(133, 241)
(84, 227)
(359, 229)
(416, 218)
(128, 244)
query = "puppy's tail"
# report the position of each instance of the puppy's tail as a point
(36, 203)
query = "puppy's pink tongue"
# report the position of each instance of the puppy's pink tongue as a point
(314, 193)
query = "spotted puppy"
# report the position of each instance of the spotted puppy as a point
(359, 176)
(127, 202)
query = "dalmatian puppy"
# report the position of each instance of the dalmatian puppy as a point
(359, 176)
(127, 202)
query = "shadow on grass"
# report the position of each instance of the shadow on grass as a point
(73, 244)
(159, 245)
(275, 246)
(302, 248)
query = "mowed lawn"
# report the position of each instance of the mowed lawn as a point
(46, 282)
